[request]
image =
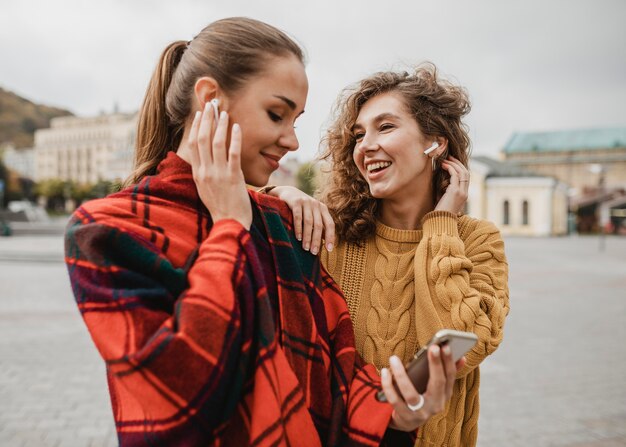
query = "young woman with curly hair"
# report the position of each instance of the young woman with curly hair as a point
(407, 259)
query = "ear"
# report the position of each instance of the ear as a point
(443, 147)
(205, 89)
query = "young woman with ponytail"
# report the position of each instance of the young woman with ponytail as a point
(407, 259)
(216, 327)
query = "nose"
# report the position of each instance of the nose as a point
(367, 144)
(289, 140)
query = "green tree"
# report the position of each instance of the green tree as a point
(306, 178)
(102, 188)
(54, 191)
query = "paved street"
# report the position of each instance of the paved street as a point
(559, 379)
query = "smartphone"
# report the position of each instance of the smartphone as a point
(417, 369)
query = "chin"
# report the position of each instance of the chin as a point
(378, 193)
(257, 179)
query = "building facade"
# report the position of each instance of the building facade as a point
(86, 150)
(519, 202)
(583, 159)
(21, 161)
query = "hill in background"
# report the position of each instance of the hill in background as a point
(19, 118)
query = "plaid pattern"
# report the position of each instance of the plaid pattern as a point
(179, 310)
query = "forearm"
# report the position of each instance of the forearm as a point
(470, 281)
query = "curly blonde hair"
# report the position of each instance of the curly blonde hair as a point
(438, 107)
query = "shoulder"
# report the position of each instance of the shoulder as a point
(116, 210)
(480, 236)
(470, 227)
(272, 205)
(124, 214)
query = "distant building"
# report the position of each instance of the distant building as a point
(518, 201)
(613, 215)
(286, 174)
(570, 155)
(21, 161)
(86, 150)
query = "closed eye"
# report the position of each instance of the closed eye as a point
(274, 117)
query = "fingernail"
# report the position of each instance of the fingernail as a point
(298, 237)
(329, 247)
(197, 117)
(306, 247)
(314, 250)
(395, 360)
(435, 350)
(384, 372)
(236, 127)
(207, 106)
(446, 350)
(222, 115)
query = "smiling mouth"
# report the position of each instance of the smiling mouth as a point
(272, 160)
(377, 167)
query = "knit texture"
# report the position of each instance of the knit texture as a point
(197, 352)
(402, 286)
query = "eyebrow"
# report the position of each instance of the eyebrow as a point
(377, 119)
(289, 102)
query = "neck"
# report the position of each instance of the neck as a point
(406, 214)
(184, 151)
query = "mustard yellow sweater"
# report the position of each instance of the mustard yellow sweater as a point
(402, 286)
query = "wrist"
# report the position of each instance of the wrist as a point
(243, 221)
(267, 189)
(406, 425)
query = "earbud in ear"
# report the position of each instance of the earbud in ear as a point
(434, 146)
(215, 102)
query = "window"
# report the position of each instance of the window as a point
(525, 212)
(506, 213)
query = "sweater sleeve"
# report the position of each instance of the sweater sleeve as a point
(470, 276)
(148, 318)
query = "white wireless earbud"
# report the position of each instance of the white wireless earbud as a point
(215, 102)
(434, 146)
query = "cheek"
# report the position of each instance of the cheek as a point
(357, 157)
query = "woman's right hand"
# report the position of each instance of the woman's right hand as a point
(216, 170)
(311, 219)
(442, 375)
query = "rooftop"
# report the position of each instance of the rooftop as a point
(503, 169)
(567, 140)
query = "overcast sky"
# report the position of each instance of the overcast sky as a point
(528, 65)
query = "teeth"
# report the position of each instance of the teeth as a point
(380, 164)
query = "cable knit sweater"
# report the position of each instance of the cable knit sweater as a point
(402, 286)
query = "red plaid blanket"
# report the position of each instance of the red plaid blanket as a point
(195, 355)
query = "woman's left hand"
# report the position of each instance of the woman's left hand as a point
(453, 200)
(311, 219)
